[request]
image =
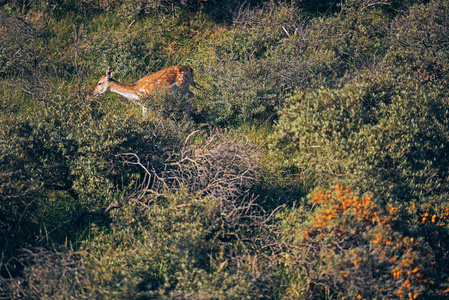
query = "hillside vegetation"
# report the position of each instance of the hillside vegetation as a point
(314, 163)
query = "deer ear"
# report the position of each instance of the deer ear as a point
(108, 73)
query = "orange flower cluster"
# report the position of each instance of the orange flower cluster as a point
(439, 218)
(345, 204)
(342, 213)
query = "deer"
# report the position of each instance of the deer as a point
(177, 78)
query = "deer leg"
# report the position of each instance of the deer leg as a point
(188, 106)
(144, 111)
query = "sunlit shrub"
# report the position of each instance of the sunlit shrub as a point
(347, 43)
(63, 164)
(350, 247)
(64, 159)
(166, 250)
(380, 124)
(187, 220)
(420, 42)
(130, 55)
(380, 134)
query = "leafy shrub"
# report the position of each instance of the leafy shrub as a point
(255, 65)
(381, 134)
(343, 130)
(346, 44)
(239, 93)
(420, 42)
(68, 151)
(130, 55)
(69, 161)
(348, 247)
(173, 245)
(167, 250)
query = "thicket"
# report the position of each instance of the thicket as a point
(382, 132)
(350, 247)
(314, 164)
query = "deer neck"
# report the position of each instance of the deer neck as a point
(126, 90)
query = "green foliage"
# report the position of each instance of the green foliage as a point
(165, 206)
(68, 161)
(380, 134)
(166, 251)
(123, 53)
(255, 66)
(420, 43)
(380, 124)
(163, 252)
(346, 44)
(241, 93)
(66, 148)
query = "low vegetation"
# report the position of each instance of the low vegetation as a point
(313, 165)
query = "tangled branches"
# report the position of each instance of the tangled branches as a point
(63, 275)
(223, 168)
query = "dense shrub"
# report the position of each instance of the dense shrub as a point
(240, 93)
(163, 251)
(170, 245)
(383, 122)
(69, 161)
(346, 44)
(255, 65)
(46, 274)
(381, 134)
(348, 247)
(69, 151)
(420, 45)
(167, 251)
(130, 55)
(23, 61)
(165, 207)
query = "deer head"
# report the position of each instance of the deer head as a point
(103, 83)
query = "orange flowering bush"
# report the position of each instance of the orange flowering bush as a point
(349, 247)
(385, 135)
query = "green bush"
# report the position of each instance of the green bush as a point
(384, 135)
(161, 244)
(255, 65)
(420, 45)
(346, 44)
(166, 251)
(130, 55)
(163, 207)
(70, 151)
(376, 122)
(240, 93)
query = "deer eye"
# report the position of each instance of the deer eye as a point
(100, 83)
